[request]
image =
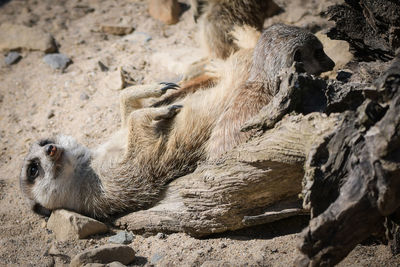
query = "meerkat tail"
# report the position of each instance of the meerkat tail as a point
(245, 36)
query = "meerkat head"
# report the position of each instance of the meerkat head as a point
(53, 173)
(312, 57)
(281, 45)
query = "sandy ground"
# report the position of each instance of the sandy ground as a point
(37, 101)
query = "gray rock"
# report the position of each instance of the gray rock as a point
(122, 237)
(68, 225)
(12, 58)
(84, 96)
(57, 61)
(156, 258)
(13, 36)
(105, 254)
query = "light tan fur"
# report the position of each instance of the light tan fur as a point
(158, 144)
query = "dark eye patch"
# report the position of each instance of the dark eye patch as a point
(319, 53)
(297, 56)
(33, 170)
(44, 142)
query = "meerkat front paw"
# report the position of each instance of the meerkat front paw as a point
(168, 86)
(168, 112)
(146, 91)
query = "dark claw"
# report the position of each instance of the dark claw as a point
(173, 86)
(172, 111)
(175, 107)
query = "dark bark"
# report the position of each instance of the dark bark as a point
(372, 27)
(352, 181)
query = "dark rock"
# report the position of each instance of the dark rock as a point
(84, 96)
(102, 66)
(344, 76)
(12, 58)
(51, 114)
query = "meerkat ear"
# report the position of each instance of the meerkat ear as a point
(297, 56)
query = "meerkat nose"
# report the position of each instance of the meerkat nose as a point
(51, 150)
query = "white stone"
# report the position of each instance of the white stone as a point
(67, 225)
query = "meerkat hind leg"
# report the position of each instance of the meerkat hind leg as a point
(147, 124)
(196, 69)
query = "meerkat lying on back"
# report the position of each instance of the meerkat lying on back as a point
(158, 144)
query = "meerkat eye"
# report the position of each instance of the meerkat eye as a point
(33, 171)
(297, 56)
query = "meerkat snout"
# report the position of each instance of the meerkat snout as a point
(312, 57)
(53, 151)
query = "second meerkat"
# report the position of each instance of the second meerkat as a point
(218, 18)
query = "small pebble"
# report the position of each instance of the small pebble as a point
(161, 236)
(122, 237)
(84, 96)
(116, 30)
(156, 258)
(344, 76)
(57, 61)
(102, 66)
(51, 114)
(12, 58)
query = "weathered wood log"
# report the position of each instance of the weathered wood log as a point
(255, 183)
(352, 181)
(372, 27)
(258, 181)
